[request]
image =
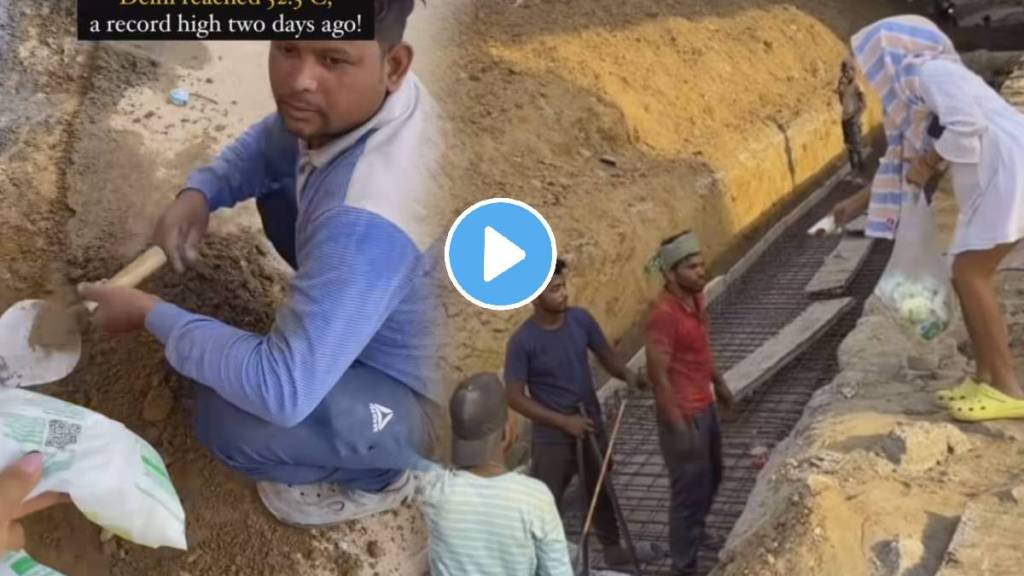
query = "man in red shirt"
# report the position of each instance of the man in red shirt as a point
(681, 367)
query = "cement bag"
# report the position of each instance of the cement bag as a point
(114, 477)
(916, 285)
(20, 564)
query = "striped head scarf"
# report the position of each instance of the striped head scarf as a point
(890, 54)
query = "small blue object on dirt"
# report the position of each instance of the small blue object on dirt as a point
(179, 96)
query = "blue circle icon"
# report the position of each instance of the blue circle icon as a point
(500, 254)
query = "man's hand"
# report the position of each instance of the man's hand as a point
(849, 209)
(16, 482)
(845, 211)
(120, 309)
(682, 438)
(726, 401)
(182, 227)
(637, 380)
(920, 171)
(577, 426)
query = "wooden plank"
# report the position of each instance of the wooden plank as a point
(757, 368)
(841, 266)
(716, 289)
(987, 540)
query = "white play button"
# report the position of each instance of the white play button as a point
(500, 254)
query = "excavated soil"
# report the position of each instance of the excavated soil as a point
(88, 159)
(629, 121)
(875, 479)
(623, 122)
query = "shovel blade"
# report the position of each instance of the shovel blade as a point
(23, 365)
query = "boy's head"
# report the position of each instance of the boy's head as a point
(324, 88)
(848, 67)
(479, 415)
(682, 263)
(555, 297)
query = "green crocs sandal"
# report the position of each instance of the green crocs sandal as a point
(987, 404)
(962, 391)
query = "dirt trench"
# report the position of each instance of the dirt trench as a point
(634, 121)
(876, 479)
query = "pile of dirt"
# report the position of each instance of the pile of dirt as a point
(82, 185)
(626, 122)
(128, 380)
(874, 478)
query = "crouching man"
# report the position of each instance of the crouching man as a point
(326, 410)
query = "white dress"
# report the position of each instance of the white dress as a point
(984, 143)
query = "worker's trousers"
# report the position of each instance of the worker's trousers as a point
(363, 435)
(852, 129)
(694, 461)
(556, 464)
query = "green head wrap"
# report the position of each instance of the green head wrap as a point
(674, 252)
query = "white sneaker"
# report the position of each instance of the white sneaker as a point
(327, 504)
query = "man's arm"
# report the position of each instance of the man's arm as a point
(240, 171)
(357, 268)
(660, 337)
(722, 391)
(963, 122)
(598, 344)
(518, 400)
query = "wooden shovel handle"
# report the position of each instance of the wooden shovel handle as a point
(135, 272)
(139, 269)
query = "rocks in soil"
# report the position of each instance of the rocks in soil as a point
(876, 346)
(922, 363)
(158, 404)
(918, 446)
(897, 557)
(818, 484)
(1018, 494)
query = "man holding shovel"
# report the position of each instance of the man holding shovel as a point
(686, 383)
(547, 356)
(326, 410)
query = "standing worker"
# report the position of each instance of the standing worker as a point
(851, 99)
(547, 355)
(681, 367)
(910, 61)
(327, 410)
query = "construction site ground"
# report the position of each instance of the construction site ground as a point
(91, 151)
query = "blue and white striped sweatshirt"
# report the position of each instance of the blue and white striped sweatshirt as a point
(365, 246)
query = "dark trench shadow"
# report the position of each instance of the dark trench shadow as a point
(937, 535)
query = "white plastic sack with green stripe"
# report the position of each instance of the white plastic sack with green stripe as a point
(114, 477)
(21, 564)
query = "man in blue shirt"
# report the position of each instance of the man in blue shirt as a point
(547, 356)
(326, 410)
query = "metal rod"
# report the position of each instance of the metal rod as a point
(610, 489)
(604, 470)
(584, 547)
